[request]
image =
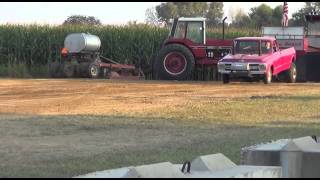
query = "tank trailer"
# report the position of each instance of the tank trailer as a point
(80, 57)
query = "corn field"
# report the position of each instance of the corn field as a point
(34, 46)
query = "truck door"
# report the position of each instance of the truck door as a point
(278, 59)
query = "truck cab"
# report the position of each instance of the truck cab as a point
(258, 58)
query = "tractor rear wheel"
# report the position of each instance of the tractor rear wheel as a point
(291, 74)
(174, 62)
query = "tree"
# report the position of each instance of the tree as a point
(261, 15)
(240, 18)
(298, 18)
(81, 20)
(152, 16)
(191, 9)
(166, 11)
(212, 11)
(215, 13)
(277, 15)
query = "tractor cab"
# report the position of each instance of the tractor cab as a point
(188, 54)
(192, 29)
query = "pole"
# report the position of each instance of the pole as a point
(223, 21)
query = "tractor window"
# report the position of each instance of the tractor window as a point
(195, 32)
(180, 30)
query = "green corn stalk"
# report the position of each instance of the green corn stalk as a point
(37, 45)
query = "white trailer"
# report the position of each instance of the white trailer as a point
(287, 36)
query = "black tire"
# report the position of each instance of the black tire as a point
(291, 74)
(164, 73)
(301, 69)
(225, 78)
(68, 69)
(54, 69)
(94, 70)
(82, 70)
(267, 79)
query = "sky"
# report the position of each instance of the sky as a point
(107, 12)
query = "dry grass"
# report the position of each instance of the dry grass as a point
(63, 128)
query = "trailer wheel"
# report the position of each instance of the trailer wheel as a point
(54, 69)
(94, 70)
(291, 74)
(267, 79)
(68, 69)
(174, 62)
(82, 70)
(225, 78)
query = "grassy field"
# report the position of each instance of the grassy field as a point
(64, 128)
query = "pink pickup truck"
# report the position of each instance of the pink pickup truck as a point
(258, 58)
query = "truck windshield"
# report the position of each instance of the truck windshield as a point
(252, 47)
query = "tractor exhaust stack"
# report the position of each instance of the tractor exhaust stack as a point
(223, 22)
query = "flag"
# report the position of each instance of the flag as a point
(285, 18)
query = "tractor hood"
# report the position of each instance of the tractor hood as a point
(245, 58)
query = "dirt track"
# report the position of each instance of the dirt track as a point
(104, 97)
(69, 127)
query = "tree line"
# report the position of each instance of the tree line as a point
(262, 15)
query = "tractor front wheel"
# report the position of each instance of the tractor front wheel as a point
(174, 62)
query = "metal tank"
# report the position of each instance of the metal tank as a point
(82, 42)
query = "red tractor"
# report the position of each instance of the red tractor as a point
(187, 49)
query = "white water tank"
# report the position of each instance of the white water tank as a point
(82, 42)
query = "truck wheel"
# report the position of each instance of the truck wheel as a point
(268, 77)
(174, 62)
(68, 69)
(94, 70)
(225, 78)
(291, 74)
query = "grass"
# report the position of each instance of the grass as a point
(163, 121)
(20, 70)
(143, 142)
